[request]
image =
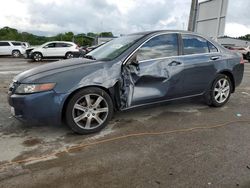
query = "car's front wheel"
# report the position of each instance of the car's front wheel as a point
(37, 56)
(220, 92)
(89, 110)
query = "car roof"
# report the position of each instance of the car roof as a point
(61, 42)
(164, 31)
(147, 33)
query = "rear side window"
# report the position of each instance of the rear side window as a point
(4, 44)
(62, 45)
(211, 47)
(17, 43)
(194, 45)
(160, 46)
(67, 45)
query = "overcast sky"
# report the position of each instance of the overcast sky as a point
(49, 17)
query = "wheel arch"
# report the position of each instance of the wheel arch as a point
(16, 50)
(231, 77)
(110, 91)
(68, 52)
(38, 52)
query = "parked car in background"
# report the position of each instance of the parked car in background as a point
(14, 48)
(131, 71)
(53, 49)
(244, 51)
(80, 53)
(83, 50)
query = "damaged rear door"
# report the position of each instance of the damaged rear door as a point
(153, 73)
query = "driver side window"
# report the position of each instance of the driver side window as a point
(159, 47)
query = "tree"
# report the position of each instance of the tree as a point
(246, 37)
(106, 34)
(92, 35)
(7, 33)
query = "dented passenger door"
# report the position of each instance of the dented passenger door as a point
(154, 71)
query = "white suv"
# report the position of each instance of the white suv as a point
(54, 49)
(14, 48)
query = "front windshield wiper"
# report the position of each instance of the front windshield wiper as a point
(89, 57)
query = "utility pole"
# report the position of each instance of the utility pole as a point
(192, 15)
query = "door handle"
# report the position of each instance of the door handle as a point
(174, 63)
(214, 58)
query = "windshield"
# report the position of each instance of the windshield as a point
(113, 48)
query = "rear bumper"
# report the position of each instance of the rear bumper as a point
(44, 107)
(238, 73)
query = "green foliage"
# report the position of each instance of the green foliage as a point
(82, 39)
(106, 34)
(92, 35)
(246, 37)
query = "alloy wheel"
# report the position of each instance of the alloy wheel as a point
(221, 90)
(16, 54)
(69, 56)
(90, 111)
(37, 57)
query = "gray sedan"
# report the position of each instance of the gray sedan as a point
(130, 71)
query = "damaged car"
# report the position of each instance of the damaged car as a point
(130, 71)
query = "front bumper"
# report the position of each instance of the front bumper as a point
(44, 107)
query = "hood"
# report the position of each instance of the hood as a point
(30, 48)
(55, 67)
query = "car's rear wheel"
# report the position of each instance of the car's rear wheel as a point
(69, 55)
(16, 53)
(37, 56)
(220, 92)
(89, 110)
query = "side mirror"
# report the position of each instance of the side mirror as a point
(134, 60)
(45, 47)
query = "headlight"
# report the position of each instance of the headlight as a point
(34, 88)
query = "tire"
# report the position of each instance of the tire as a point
(69, 55)
(89, 110)
(37, 56)
(220, 91)
(16, 53)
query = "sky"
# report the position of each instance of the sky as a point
(49, 17)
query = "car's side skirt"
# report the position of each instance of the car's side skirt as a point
(173, 99)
